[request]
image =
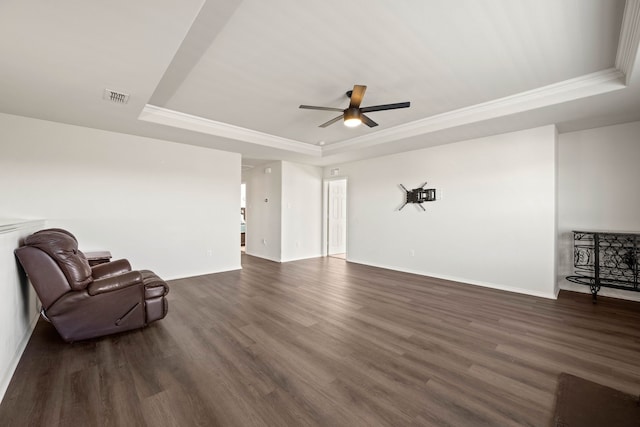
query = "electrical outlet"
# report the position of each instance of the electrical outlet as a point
(264, 242)
(412, 252)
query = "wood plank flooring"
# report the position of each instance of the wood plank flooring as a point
(323, 342)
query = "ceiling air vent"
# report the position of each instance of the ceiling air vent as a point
(117, 97)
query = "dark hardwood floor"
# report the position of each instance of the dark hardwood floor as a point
(323, 342)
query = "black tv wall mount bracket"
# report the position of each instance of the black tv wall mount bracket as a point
(418, 196)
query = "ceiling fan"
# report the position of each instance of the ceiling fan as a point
(353, 115)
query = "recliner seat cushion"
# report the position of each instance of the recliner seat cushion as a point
(63, 248)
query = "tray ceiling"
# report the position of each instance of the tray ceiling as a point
(270, 57)
(231, 74)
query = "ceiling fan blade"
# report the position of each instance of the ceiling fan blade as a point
(385, 107)
(367, 121)
(332, 121)
(356, 96)
(311, 107)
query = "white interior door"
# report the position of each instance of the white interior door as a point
(337, 217)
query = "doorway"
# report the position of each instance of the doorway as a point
(243, 216)
(337, 218)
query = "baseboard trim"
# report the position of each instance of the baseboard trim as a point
(263, 256)
(463, 280)
(603, 292)
(204, 273)
(301, 258)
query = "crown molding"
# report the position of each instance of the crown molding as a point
(176, 119)
(557, 93)
(580, 87)
(8, 225)
(596, 83)
(629, 38)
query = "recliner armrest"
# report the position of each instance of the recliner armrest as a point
(113, 283)
(109, 269)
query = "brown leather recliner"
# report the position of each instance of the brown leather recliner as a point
(85, 302)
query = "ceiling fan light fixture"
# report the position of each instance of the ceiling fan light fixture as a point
(352, 117)
(352, 123)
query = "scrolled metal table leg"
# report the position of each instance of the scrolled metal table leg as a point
(594, 290)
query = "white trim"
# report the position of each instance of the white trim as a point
(463, 281)
(8, 225)
(164, 116)
(576, 88)
(202, 273)
(629, 39)
(623, 294)
(299, 258)
(568, 90)
(273, 259)
(580, 87)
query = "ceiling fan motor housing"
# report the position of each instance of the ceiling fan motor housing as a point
(352, 117)
(352, 113)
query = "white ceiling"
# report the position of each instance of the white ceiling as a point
(230, 74)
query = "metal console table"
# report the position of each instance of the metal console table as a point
(606, 259)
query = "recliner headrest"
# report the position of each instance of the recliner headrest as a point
(59, 230)
(63, 248)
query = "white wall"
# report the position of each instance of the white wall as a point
(167, 207)
(598, 180)
(289, 225)
(301, 211)
(264, 210)
(495, 226)
(18, 305)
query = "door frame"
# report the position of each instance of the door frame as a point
(325, 213)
